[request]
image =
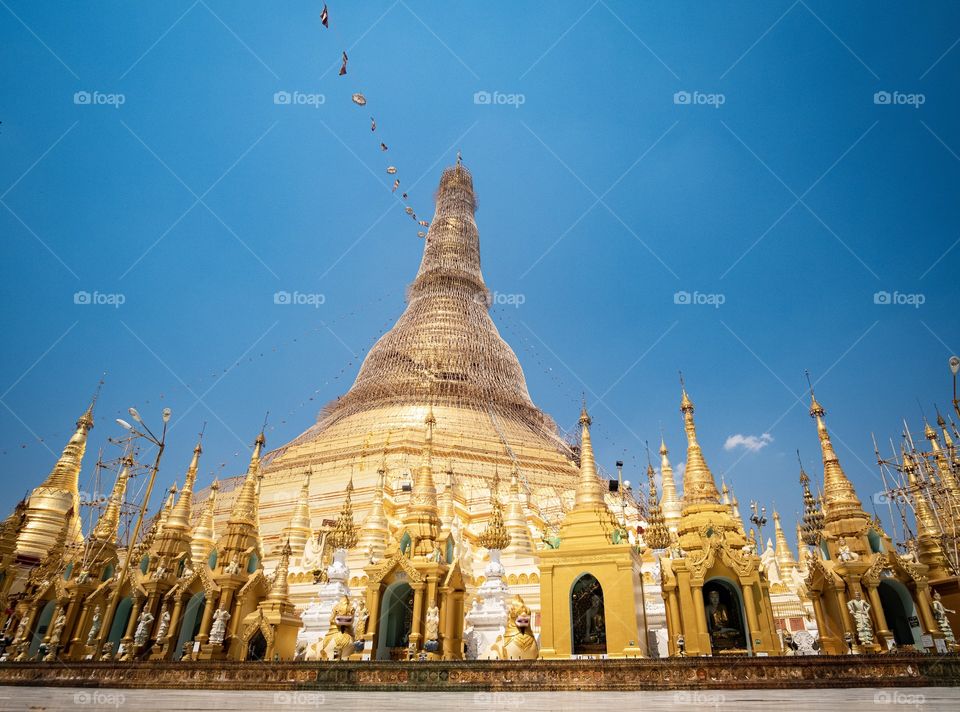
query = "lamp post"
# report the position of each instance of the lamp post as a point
(160, 442)
(759, 518)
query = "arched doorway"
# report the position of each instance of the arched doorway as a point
(900, 612)
(588, 622)
(257, 647)
(120, 620)
(395, 621)
(41, 626)
(726, 622)
(190, 627)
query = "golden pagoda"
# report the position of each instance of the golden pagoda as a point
(444, 354)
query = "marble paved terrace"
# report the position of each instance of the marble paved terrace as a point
(922, 699)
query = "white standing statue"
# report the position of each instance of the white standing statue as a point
(142, 632)
(95, 626)
(164, 623)
(432, 629)
(770, 565)
(940, 613)
(218, 630)
(860, 610)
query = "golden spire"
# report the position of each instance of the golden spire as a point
(65, 474)
(204, 536)
(923, 512)
(164, 514)
(516, 518)
(735, 510)
(669, 501)
(724, 492)
(698, 484)
(106, 529)
(944, 471)
(279, 588)
(245, 506)
(179, 518)
(376, 528)
(422, 518)
(495, 535)
(840, 499)
(784, 553)
(589, 489)
(298, 530)
(344, 534)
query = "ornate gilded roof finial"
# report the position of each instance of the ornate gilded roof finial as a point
(589, 489)
(812, 521)
(656, 536)
(495, 535)
(297, 532)
(669, 501)
(204, 536)
(923, 512)
(106, 529)
(344, 534)
(783, 551)
(698, 484)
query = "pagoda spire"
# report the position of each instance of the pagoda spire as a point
(180, 515)
(923, 511)
(376, 527)
(840, 499)
(698, 483)
(784, 553)
(344, 534)
(516, 519)
(656, 536)
(669, 501)
(55, 504)
(204, 536)
(106, 528)
(589, 489)
(298, 531)
(944, 471)
(245, 507)
(495, 534)
(422, 518)
(280, 588)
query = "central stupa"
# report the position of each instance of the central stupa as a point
(444, 353)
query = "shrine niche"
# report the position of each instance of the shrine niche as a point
(725, 620)
(587, 614)
(396, 621)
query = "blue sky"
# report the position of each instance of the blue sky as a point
(631, 154)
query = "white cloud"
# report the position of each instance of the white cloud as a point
(751, 443)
